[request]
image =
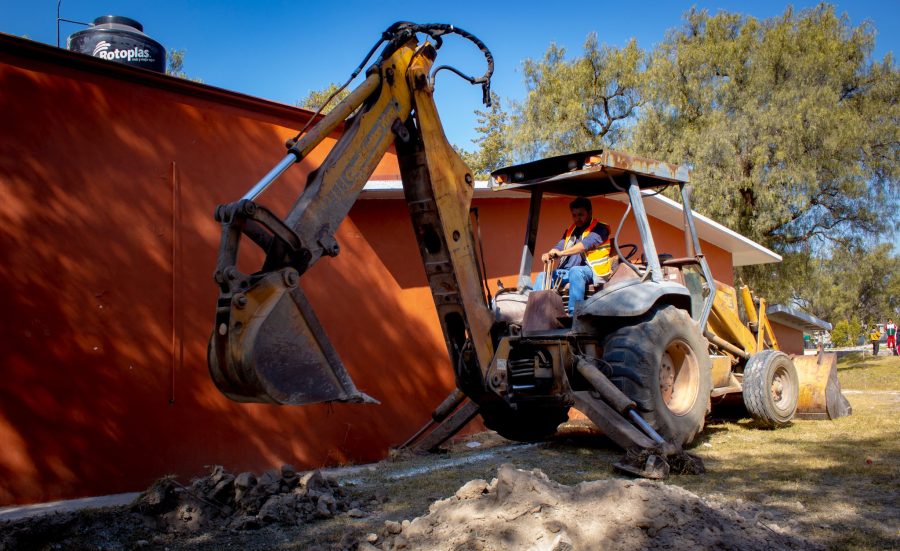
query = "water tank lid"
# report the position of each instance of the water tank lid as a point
(117, 21)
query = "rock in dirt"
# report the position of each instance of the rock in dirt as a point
(392, 527)
(242, 502)
(160, 497)
(526, 510)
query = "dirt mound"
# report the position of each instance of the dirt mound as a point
(517, 510)
(243, 511)
(526, 510)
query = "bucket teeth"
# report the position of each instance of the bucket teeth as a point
(655, 464)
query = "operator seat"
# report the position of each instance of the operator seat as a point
(592, 287)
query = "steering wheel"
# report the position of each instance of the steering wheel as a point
(632, 250)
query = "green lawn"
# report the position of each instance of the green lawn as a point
(834, 482)
(837, 482)
(865, 372)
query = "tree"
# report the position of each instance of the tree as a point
(866, 281)
(493, 150)
(175, 65)
(790, 127)
(792, 132)
(856, 282)
(578, 104)
(316, 98)
(471, 160)
(840, 334)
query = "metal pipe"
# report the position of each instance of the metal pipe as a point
(645, 426)
(531, 228)
(338, 115)
(722, 343)
(58, 19)
(616, 398)
(446, 407)
(431, 423)
(319, 132)
(616, 239)
(608, 391)
(686, 193)
(643, 225)
(688, 236)
(272, 175)
(749, 307)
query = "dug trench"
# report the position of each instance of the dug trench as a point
(374, 507)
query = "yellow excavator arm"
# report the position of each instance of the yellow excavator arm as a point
(632, 358)
(267, 345)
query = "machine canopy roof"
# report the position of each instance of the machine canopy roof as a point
(588, 174)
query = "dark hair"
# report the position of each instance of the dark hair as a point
(581, 203)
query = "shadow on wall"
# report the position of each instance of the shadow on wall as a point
(103, 295)
(109, 180)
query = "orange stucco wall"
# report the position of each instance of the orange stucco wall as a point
(386, 225)
(109, 178)
(790, 340)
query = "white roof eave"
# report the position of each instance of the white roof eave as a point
(744, 251)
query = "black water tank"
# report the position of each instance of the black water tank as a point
(119, 39)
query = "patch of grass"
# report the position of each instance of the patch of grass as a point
(865, 372)
(835, 482)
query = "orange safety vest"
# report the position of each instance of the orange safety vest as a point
(597, 259)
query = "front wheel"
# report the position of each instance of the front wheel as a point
(771, 388)
(662, 363)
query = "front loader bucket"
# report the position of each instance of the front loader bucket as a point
(268, 346)
(820, 391)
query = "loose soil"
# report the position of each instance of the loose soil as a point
(813, 485)
(518, 509)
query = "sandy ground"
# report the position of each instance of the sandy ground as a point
(526, 510)
(363, 508)
(813, 485)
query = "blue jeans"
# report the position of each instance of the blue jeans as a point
(578, 279)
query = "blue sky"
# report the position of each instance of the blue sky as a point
(281, 50)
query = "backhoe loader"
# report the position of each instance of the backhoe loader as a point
(635, 357)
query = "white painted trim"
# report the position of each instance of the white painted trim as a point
(744, 251)
(393, 189)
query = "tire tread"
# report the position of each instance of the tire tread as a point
(629, 356)
(756, 388)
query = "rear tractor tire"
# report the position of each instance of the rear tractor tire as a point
(771, 388)
(662, 363)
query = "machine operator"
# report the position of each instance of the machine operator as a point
(584, 249)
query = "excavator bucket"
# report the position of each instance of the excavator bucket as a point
(820, 391)
(268, 346)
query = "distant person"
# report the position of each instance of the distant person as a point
(891, 330)
(584, 249)
(875, 337)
